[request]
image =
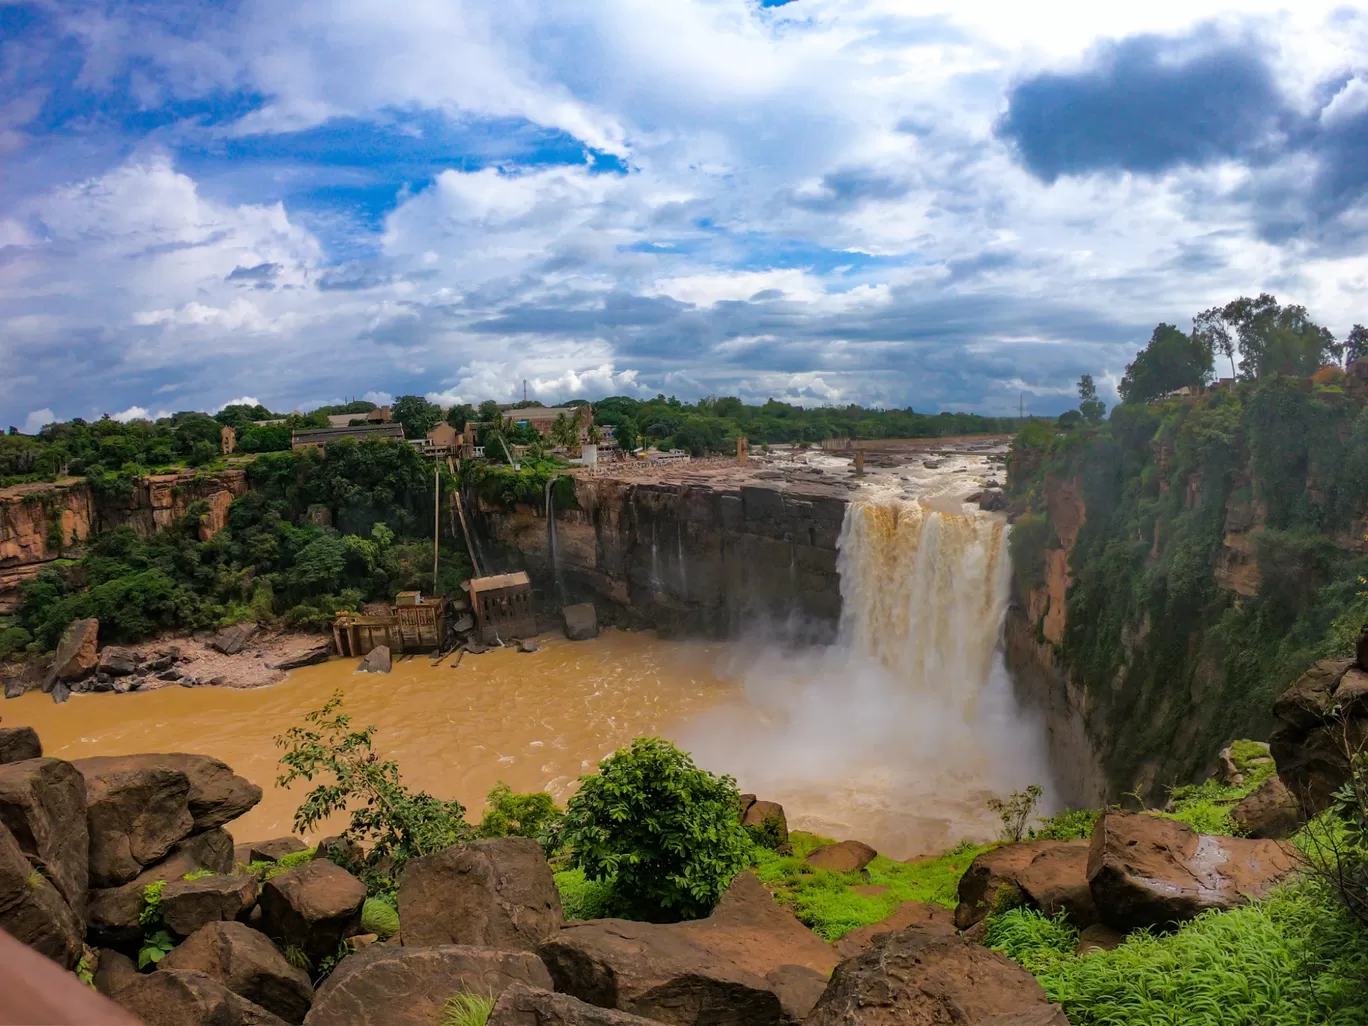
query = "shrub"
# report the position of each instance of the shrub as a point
(13, 640)
(522, 815)
(467, 1010)
(380, 918)
(1069, 825)
(665, 831)
(1016, 811)
(392, 823)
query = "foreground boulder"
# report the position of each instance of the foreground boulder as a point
(18, 744)
(753, 931)
(909, 913)
(1311, 743)
(842, 857)
(175, 998)
(313, 907)
(136, 812)
(43, 803)
(248, 964)
(521, 1005)
(1268, 811)
(581, 621)
(76, 652)
(385, 985)
(495, 893)
(659, 973)
(1147, 871)
(32, 910)
(922, 975)
(217, 794)
(275, 849)
(768, 818)
(113, 971)
(377, 660)
(188, 905)
(1057, 881)
(112, 912)
(992, 878)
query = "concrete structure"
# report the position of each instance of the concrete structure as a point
(227, 440)
(503, 607)
(319, 438)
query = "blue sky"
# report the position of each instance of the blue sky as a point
(882, 201)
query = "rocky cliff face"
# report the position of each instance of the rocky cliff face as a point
(41, 522)
(687, 558)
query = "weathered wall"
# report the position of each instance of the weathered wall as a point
(40, 523)
(687, 558)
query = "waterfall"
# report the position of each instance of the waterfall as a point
(679, 560)
(899, 732)
(924, 594)
(551, 542)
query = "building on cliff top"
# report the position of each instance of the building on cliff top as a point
(319, 438)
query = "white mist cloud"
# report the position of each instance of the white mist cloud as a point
(132, 413)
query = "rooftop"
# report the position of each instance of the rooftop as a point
(332, 434)
(513, 580)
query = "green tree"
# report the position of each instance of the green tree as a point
(460, 415)
(240, 416)
(1355, 344)
(1090, 407)
(1210, 328)
(664, 831)
(1170, 361)
(1277, 339)
(416, 414)
(625, 434)
(489, 412)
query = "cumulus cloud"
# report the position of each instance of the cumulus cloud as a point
(823, 201)
(132, 413)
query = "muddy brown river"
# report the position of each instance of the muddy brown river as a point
(536, 720)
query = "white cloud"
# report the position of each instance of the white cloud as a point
(242, 400)
(37, 419)
(132, 413)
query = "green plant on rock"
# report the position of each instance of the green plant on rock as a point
(198, 874)
(466, 1009)
(151, 914)
(1069, 825)
(380, 918)
(664, 830)
(155, 947)
(388, 821)
(1016, 811)
(298, 958)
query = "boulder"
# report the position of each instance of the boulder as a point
(136, 812)
(749, 928)
(175, 998)
(1057, 881)
(231, 640)
(117, 662)
(528, 645)
(1269, 810)
(18, 744)
(309, 657)
(521, 1005)
(1098, 937)
(767, 817)
(113, 971)
(992, 878)
(248, 964)
(112, 912)
(217, 794)
(76, 651)
(924, 975)
(43, 803)
(581, 621)
(31, 909)
(188, 905)
(312, 907)
(377, 660)
(60, 693)
(339, 849)
(1147, 871)
(14, 688)
(657, 972)
(496, 893)
(275, 849)
(386, 985)
(1322, 717)
(843, 857)
(992, 499)
(909, 913)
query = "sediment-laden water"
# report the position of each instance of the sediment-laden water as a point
(536, 720)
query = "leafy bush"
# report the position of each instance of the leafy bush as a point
(13, 640)
(522, 815)
(665, 831)
(392, 823)
(582, 898)
(1069, 825)
(1292, 959)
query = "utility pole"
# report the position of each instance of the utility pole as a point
(524, 391)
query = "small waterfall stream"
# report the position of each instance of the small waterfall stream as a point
(551, 542)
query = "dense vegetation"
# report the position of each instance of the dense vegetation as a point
(317, 533)
(1175, 664)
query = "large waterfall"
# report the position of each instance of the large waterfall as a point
(899, 732)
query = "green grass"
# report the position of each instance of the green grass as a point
(380, 918)
(1292, 959)
(824, 901)
(467, 1010)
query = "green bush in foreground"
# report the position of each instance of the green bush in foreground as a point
(665, 831)
(1293, 959)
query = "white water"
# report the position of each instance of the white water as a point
(899, 732)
